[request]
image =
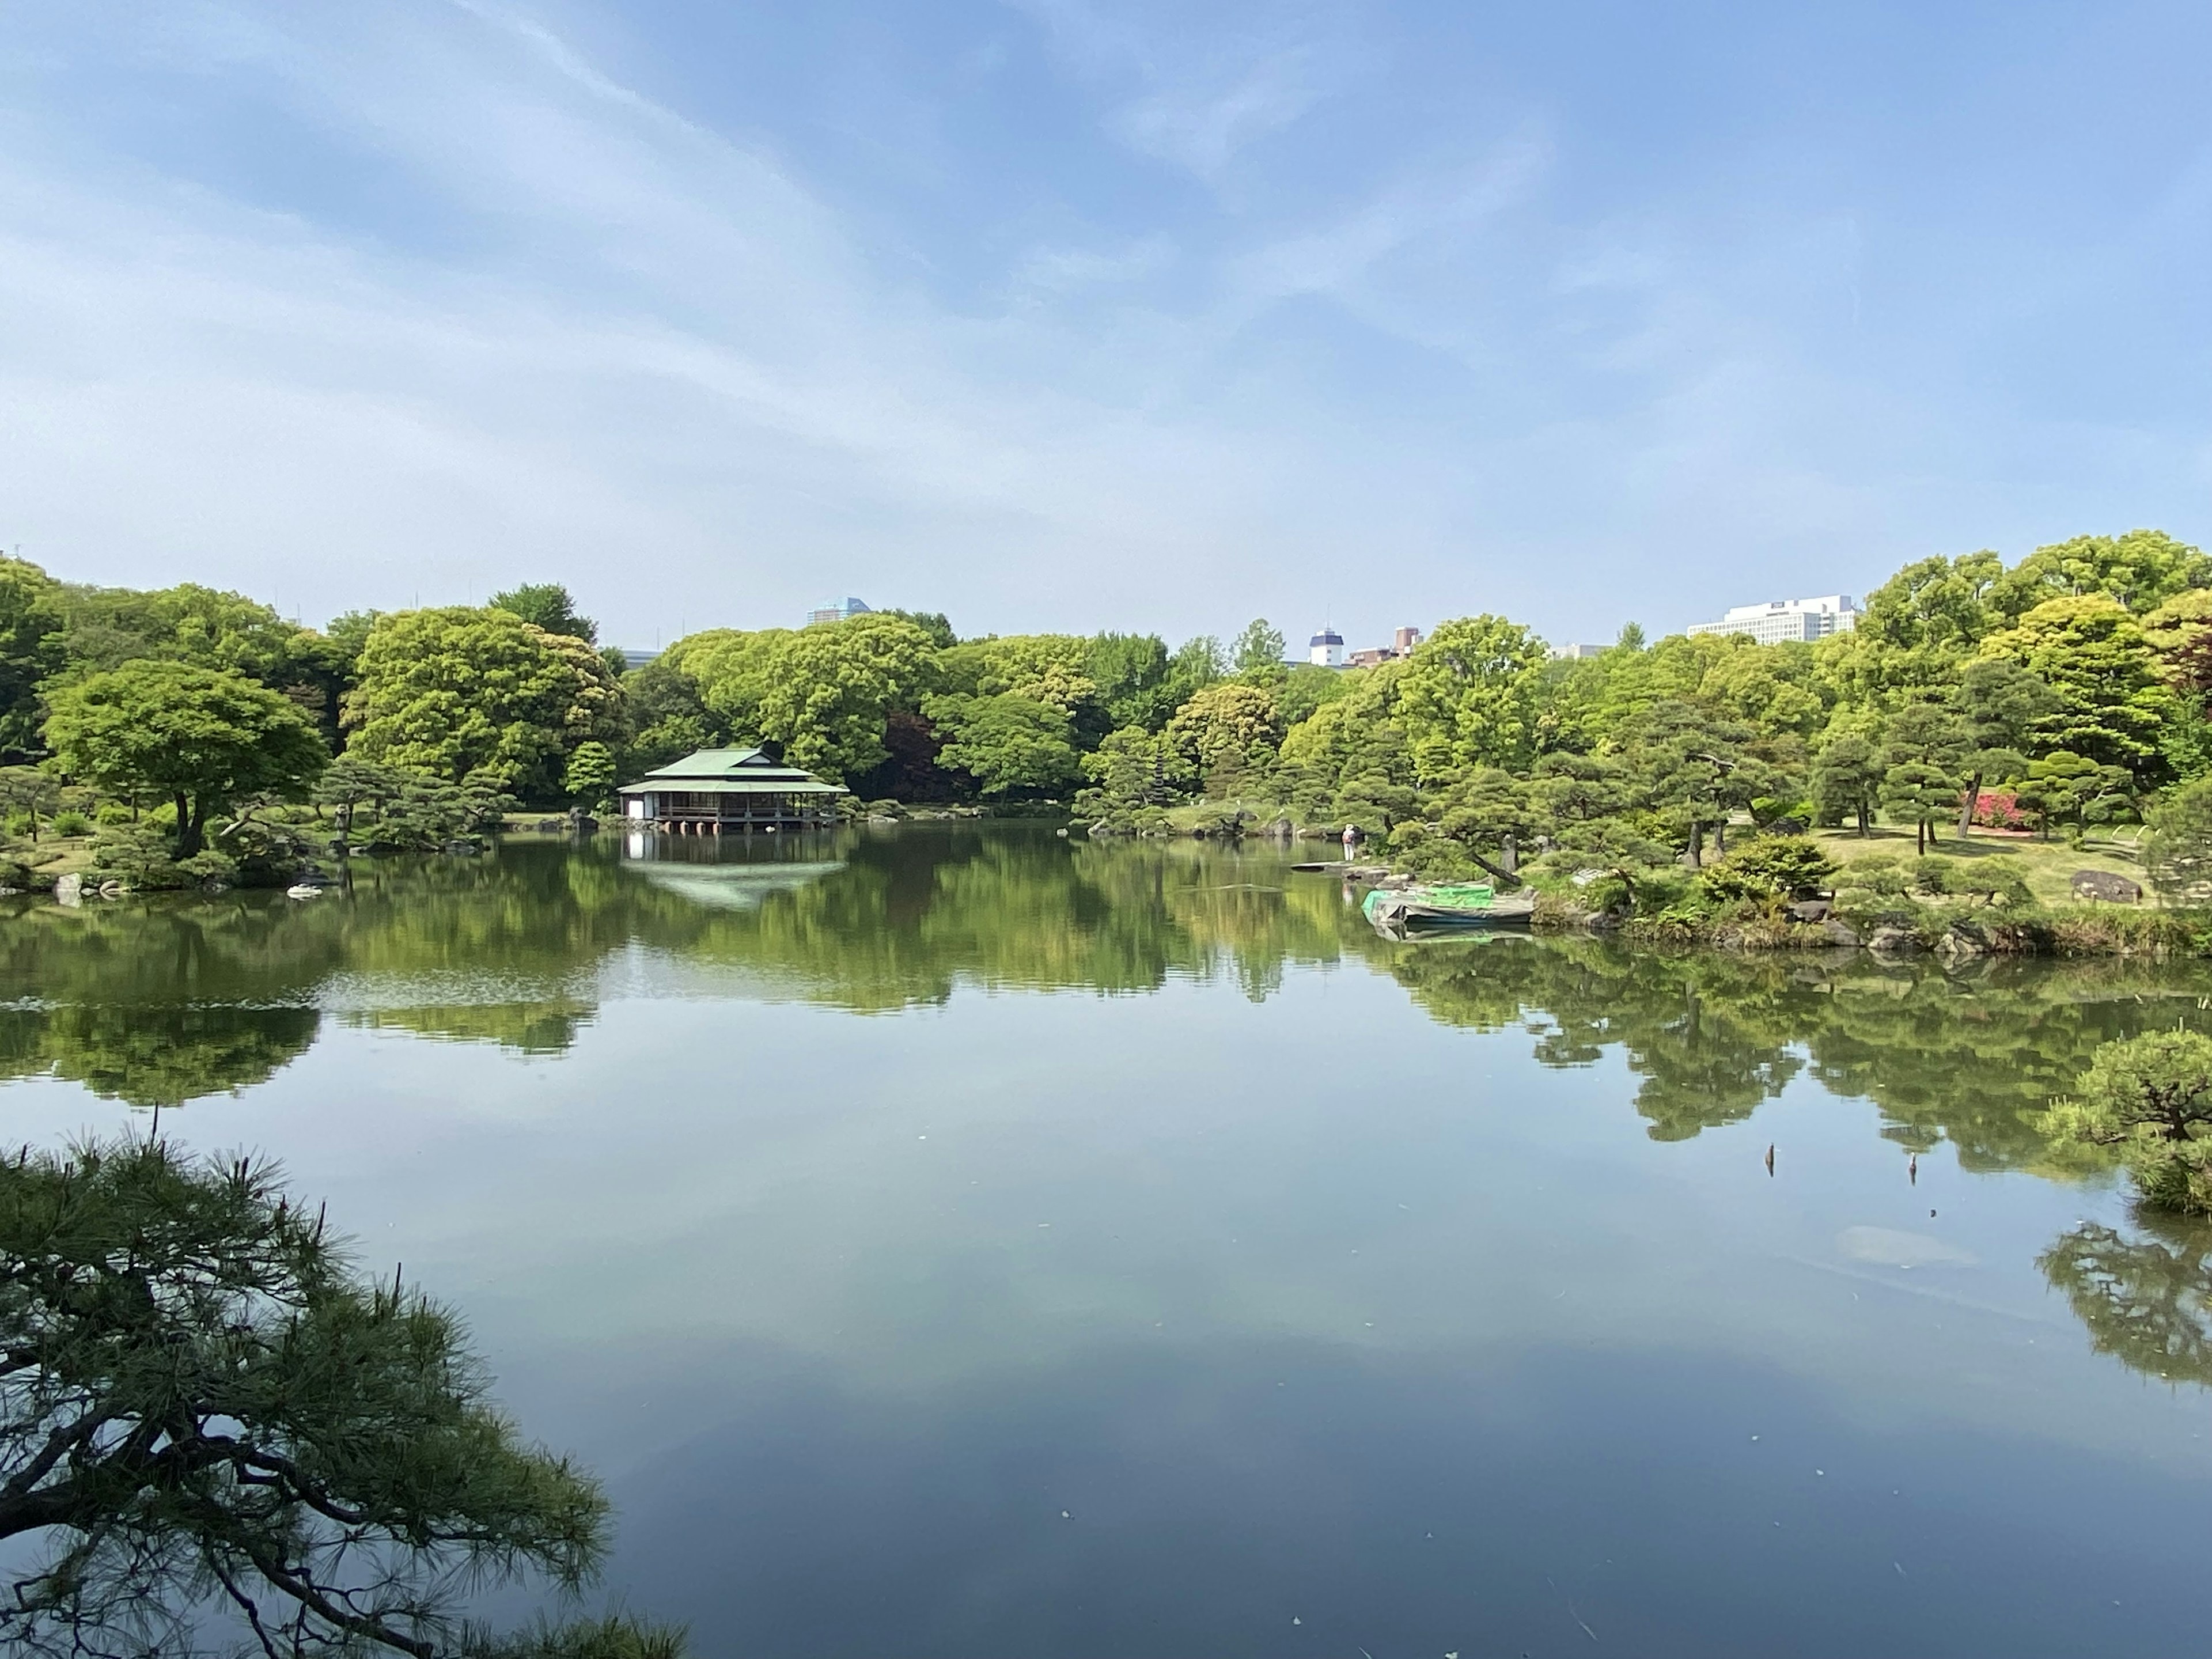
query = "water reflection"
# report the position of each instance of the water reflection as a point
(2146, 1300)
(161, 1000)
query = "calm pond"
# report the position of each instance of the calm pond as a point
(961, 1241)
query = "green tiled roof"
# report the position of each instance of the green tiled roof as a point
(730, 772)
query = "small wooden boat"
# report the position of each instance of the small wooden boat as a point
(1400, 911)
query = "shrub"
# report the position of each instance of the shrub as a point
(1934, 875)
(71, 823)
(1769, 868)
(2178, 851)
(138, 855)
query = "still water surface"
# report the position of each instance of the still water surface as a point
(961, 1241)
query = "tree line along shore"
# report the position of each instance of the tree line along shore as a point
(1994, 717)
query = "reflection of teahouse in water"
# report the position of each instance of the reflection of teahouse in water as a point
(714, 790)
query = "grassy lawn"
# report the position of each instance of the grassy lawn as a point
(2048, 867)
(56, 856)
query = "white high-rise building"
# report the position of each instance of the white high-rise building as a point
(1326, 648)
(1788, 619)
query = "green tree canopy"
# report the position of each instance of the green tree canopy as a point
(1233, 722)
(1467, 696)
(1258, 653)
(1927, 755)
(1846, 778)
(820, 696)
(935, 623)
(1134, 674)
(2064, 787)
(1011, 745)
(590, 772)
(2138, 571)
(201, 738)
(30, 648)
(1702, 767)
(2002, 706)
(2093, 655)
(457, 689)
(550, 606)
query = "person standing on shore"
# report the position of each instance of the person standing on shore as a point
(1350, 840)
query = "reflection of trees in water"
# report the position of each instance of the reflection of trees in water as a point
(158, 1005)
(155, 1056)
(910, 918)
(168, 999)
(1967, 1059)
(2147, 1301)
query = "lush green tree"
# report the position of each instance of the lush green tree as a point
(667, 718)
(1615, 858)
(1927, 755)
(2002, 706)
(1257, 654)
(1230, 721)
(352, 782)
(2178, 853)
(2064, 787)
(1305, 687)
(1051, 669)
(201, 738)
(1701, 766)
(590, 773)
(1846, 777)
(1373, 800)
(2139, 571)
(2147, 1101)
(931, 622)
(1568, 789)
(1133, 771)
(30, 790)
(211, 1417)
(821, 697)
(1011, 745)
(429, 813)
(1936, 606)
(2093, 655)
(30, 648)
(548, 605)
(1468, 696)
(1136, 679)
(456, 689)
(1488, 812)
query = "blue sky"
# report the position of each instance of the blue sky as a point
(1064, 314)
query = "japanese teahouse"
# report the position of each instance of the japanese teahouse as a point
(715, 790)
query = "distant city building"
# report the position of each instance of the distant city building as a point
(1788, 619)
(836, 610)
(1401, 645)
(635, 659)
(1576, 652)
(1326, 648)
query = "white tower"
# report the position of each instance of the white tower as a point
(1326, 648)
